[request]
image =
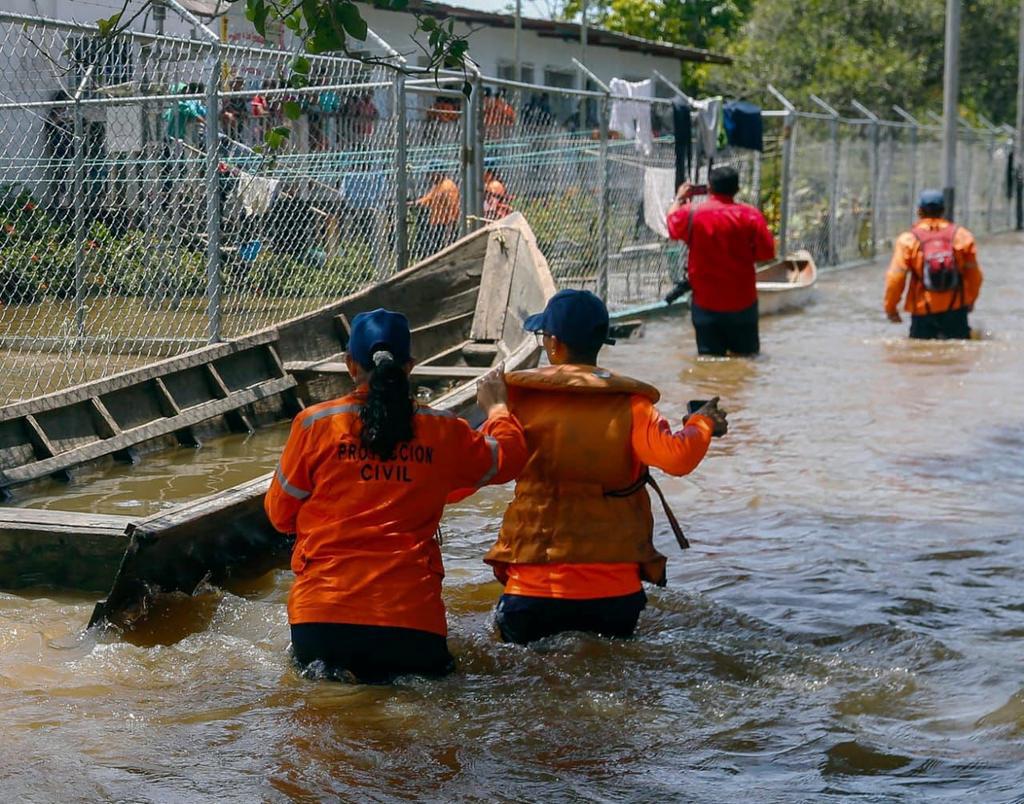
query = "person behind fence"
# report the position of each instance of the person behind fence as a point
(441, 205)
(942, 261)
(577, 538)
(362, 483)
(496, 197)
(725, 240)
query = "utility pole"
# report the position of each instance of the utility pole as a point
(517, 36)
(583, 38)
(950, 105)
(1018, 151)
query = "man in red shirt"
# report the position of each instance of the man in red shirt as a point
(725, 240)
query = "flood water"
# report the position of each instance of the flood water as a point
(849, 622)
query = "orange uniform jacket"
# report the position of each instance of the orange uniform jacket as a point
(442, 200)
(586, 428)
(907, 258)
(365, 551)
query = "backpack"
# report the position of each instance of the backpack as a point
(940, 271)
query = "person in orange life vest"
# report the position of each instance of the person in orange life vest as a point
(725, 239)
(496, 197)
(362, 483)
(577, 538)
(942, 261)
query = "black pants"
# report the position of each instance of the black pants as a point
(523, 619)
(951, 325)
(720, 334)
(373, 654)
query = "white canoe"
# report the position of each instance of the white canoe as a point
(786, 284)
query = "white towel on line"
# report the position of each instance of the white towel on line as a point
(632, 119)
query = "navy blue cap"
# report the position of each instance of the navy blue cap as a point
(379, 330)
(932, 199)
(576, 317)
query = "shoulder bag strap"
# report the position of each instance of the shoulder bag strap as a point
(648, 480)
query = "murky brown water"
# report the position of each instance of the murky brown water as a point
(849, 622)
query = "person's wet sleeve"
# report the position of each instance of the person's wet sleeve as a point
(292, 482)
(677, 223)
(494, 455)
(654, 443)
(896, 276)
(967, 253)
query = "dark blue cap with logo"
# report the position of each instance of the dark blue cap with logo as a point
(576, 317)
(932, 199)
(379, 330)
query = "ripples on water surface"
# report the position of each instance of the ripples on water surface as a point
(849, 621)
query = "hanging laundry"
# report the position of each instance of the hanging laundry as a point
(659, 192)
(683, 125)
(743, 125)
(632, 119)
(710, 134)
(256, 193)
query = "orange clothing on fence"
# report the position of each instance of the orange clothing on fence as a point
(907, 258)
(444, 110)
(365, 552)
(443, 202)
(588, 432)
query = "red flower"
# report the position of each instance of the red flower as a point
(29, 206)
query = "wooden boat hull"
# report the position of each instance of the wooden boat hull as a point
(465, 304)
(787, 284)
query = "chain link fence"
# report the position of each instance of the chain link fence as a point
(141, 214)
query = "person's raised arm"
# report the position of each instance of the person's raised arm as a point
(679, 453)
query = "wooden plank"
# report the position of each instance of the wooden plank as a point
(40, 443)
(495, 285)
(166, 399)
(217, 382)
(60, 549)
(109, 428)
(98, 449)
(418, 372)
(71, 522)
(100, 387)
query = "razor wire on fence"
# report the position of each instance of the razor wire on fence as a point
(143, 215)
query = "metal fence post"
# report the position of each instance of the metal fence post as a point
(401, 176)
(214, 286)
(465, 174)
(969, 181)
(833, 179)
(915, 126)
(786, 180)
(875, 170)
(78, 205)
(605, 195)
(478, 144)
(993, 183)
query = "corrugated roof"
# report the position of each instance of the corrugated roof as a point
(569, 31)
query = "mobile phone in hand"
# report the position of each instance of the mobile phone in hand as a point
(699, 189)
(695, 404)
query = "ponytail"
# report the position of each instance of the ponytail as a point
(388, 411)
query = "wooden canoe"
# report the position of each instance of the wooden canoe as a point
(786, 284)
(466, 305)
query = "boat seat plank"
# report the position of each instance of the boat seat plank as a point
(207, 410)
(70, 522)
(418, 372)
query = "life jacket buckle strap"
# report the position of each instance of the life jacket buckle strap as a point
(647, 480)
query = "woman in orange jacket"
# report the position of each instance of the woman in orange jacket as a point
(362, 482)
(577, 539)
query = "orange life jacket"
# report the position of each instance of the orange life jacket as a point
(578, 425)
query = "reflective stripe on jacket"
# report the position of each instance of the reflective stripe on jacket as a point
(589, 432)
(907, 258)
(365, 552)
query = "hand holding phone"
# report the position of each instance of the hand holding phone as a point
(710, 409)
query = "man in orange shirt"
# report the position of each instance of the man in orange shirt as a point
(945, 278)
(496, 198)
(362, 483)
(577, 538)
(441, 205)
